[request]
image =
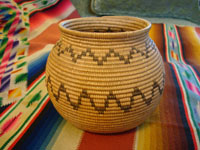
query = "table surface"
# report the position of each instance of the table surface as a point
(28, 120)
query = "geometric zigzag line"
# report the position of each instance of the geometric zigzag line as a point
(101, 60)
(110, 96)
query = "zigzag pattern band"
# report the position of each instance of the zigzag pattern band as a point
(101, 60)
(110, 96)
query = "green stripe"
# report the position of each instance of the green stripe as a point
(168, 50)
(188, 75)
(44, 2)
(21, 78)
(21, 65)
(44, 6)
(185, 89)
(35, 98)
(26, 24)
(3, 47)
(1, 99)
(178, 46)
(41, 7)
(181, 57)
(188, 101)
(24, 123)
(1, 54)
(5, 8)
(56, 134)
(25, 13)
(194, 76)
(21, 57)
(9, 23)
(7, 26)
(31, 2)
(4, 41)
(184, 85)
(22, 99)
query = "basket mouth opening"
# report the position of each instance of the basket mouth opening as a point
(108, 26)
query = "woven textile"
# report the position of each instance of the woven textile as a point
(28, 31)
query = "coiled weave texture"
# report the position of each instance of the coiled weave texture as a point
(105, 74)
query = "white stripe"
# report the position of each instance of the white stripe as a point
(196, 77)
(184, 91)
(24, 127)
(189, 112)
(18, 100)
(39, 53)
(135, 140)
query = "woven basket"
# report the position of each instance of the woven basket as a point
(105, 74)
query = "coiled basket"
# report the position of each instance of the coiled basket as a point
(105, 74)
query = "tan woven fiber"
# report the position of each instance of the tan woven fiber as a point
(105, 74)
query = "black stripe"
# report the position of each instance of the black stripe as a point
(24, 1)
(182, 111)
(180, 103)
(2, 108)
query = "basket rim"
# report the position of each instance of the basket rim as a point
(106, 35)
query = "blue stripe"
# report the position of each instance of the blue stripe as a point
(46, 126)
(41, 131)
(36, 67)
(5, 82)
(12, 56)
(15, 43)
(51, 133)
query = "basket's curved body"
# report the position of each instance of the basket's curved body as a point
(105, 82)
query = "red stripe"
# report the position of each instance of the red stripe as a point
(8, 5)
(10, 106)
(193, 136)
(41, 38)
(38, 18)
(166, 44)
(185, 107)
(181, 88)
(30, 123)
(19, 137)
(14, 24)
(122, 141)
(197, 29)
(198, 78)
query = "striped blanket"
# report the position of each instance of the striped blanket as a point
(28, 120)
